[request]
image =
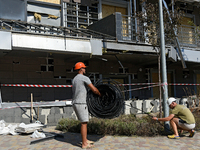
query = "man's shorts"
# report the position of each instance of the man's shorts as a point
(186, 126)
(81, 111)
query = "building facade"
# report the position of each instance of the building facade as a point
(41, 40)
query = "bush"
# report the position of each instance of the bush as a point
(127, 125)
(197, 119)
(123, 125)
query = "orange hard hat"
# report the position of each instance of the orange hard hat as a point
(79, 65)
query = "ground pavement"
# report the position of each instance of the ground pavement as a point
(70, 141)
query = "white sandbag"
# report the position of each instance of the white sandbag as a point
(12, 129)
(5, 131)
(37, 134)
(2, 124)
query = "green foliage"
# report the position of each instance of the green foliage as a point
(70, 125)
(197, 119)
(127, 125)
(123, 125)
(150, 22)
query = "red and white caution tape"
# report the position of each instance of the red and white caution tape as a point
(137, 84)
(35, 85)
(142, 88)
(158, 84)
(182, 84)
(40, 85)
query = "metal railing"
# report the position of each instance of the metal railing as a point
(133, 30)
(32, 28)
(188, 35)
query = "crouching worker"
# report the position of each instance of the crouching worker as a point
(79, 89)
(180, 118)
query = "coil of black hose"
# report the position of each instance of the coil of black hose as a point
(109, 105)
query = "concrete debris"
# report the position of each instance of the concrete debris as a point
(15, 129)
(37, 134)
(28, 128)
(10, 129)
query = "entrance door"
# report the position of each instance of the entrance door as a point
(155, 79)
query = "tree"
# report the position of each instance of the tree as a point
(151, 23)
(149, 20)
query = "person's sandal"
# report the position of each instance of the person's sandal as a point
(88, 146)
(192, 133)
(173, 137)
(90, 142)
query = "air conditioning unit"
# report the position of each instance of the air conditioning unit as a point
(172, 55)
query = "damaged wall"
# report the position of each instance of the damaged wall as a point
(44, 14)
(13, 9)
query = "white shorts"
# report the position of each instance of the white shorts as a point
(185, 125)
(81, 111)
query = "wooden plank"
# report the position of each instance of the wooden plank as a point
(50, 1)
(198, 87)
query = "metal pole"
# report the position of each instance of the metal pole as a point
(163, 63)
(135, 21)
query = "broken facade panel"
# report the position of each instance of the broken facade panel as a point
(43, 14)
(13, 9)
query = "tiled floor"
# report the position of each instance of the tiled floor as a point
(71, 141)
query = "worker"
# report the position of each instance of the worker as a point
(79, 89)
(180, 118)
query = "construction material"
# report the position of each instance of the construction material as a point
(38, 114)
(37, 134)
(111, 102)
(48, 136)
(28, 128)
(31, 107)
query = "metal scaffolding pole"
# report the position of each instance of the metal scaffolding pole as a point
(163, 64)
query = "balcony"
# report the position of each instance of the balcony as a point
(131, 29)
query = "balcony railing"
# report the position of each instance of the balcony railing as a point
(188, 36)
(133, 30)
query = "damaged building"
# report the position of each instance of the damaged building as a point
(41, 40)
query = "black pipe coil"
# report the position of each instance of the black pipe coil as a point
(109, 105)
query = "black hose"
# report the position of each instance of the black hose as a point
(109, 105)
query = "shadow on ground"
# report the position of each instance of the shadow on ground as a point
(75, 138)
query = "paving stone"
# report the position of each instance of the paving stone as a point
(71, 141)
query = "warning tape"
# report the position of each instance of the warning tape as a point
(40, 85)
(142, 88)
(137, 84)
(35, 85)
(182, 84)
(158, 84)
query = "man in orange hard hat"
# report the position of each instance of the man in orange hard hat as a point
(180, 118)
(79, 89)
